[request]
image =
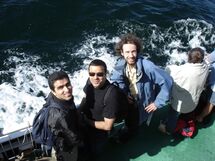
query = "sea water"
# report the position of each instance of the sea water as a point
(38, 37)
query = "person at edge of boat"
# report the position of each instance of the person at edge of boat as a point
(98, 119)
(189, 81)
(63, 121)
(210, 89)
(146, 85)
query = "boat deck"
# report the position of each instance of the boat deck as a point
(152, 145)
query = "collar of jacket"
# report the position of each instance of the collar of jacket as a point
(52, 100)
(139, 67)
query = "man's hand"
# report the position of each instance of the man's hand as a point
(103, 125)
(151, 108)
(85, 120)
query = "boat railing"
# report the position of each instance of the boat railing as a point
(12, 144)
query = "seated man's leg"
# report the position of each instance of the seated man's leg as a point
(208, 107)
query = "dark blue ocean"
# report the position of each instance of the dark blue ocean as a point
(40, 36)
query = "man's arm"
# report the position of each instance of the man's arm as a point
(106, 125)
(110, 112)
(70, 135)
(118, 76)
(59, 126)
(165, 82)
(211, 78)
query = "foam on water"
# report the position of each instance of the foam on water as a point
(19, 99)
(17, 107)
(186, 34)
(23, 97)
(102, 52)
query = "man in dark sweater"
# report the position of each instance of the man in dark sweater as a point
(99, 118)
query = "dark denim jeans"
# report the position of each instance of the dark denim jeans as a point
(171, 120)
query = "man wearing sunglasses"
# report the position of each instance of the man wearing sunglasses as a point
(99, 118)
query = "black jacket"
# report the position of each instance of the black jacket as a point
(63, 122)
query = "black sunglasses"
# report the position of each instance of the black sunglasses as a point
(100, 74)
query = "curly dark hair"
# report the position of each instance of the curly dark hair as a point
(128, 39)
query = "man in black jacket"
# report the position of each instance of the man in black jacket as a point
(99, 118)
(63, 120)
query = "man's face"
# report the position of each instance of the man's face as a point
(63, 89)
(97, 76)
(129, 52)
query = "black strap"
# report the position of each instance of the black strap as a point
(108, 93)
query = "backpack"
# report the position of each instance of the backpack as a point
(186, 128)
(124, 104)
(40, 131)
